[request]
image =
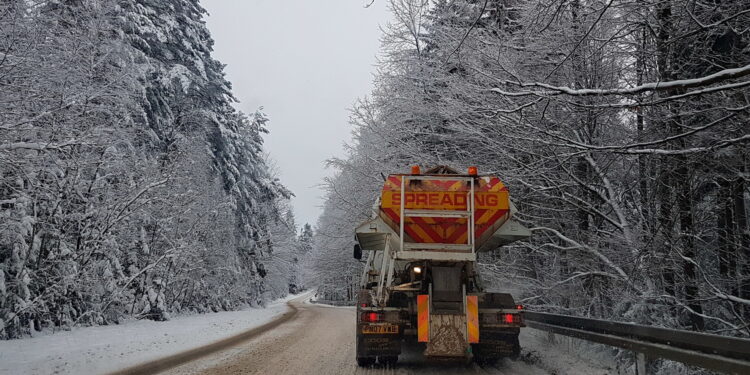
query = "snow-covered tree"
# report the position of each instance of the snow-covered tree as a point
(129, 185)
(620, 128)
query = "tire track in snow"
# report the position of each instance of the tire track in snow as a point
(178, 359)
(320, 340)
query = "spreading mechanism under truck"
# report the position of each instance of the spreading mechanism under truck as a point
(420, 283)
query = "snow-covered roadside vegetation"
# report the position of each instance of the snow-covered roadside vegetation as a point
(129, 184)
(620, 127)
(104, 349)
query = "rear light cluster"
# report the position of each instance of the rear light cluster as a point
(511, 318)
(371, 317)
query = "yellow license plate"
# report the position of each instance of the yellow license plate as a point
(380, 329)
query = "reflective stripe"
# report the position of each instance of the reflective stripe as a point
(423, 318)
(491, 207)
(472, 319)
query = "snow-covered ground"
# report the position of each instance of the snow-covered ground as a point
(563, 355)
(97, 350)
(320, 340)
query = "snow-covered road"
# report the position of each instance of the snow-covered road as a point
(320, 340)
(99, 350)
(306, 339)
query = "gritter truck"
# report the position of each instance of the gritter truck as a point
(420, 282)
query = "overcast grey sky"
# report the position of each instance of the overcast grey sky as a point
(305, 62)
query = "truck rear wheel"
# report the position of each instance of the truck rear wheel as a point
(388, 360)
(486, 361)
(516, 349)
(365, 361)
(499, 346)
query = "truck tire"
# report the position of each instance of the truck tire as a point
(486, 361)
(516, 350)
(388, 360)
(365, 361)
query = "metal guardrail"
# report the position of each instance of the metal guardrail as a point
(713, 352)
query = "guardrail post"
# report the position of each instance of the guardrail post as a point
(551, 338)
(641, 364)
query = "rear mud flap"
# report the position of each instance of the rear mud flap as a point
(447, 336)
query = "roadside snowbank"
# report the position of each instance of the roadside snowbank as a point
(97, 350)
(563, 355)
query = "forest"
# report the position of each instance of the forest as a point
(620, 126)
(130, 186)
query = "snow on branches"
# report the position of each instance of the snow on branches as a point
(621, 129)
(129, 185)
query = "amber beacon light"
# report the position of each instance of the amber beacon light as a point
(473, 171)
(415, 170)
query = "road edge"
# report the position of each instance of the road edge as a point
(174, 360)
